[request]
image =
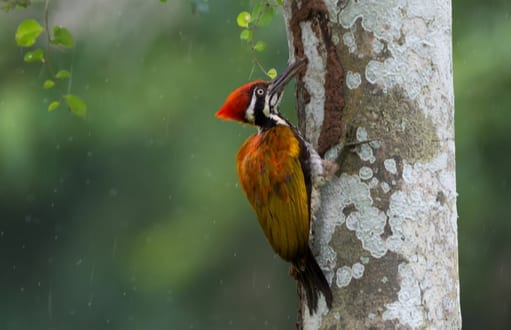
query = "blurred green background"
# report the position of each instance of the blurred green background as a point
(133, 218)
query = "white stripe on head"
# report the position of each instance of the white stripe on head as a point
(275, 99)
(266, 109)
(249, 114)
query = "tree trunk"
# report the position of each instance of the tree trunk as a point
(380, 73)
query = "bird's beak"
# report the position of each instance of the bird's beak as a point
(277, 85)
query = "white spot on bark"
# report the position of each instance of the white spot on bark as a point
(409, 174)
(314, 321)
(375, 144)
(335, 39)
(334, 152)
(365, 173)
(314, 81)
(353, 79)
(384, 19)
(369, 223)
(373, 183)
(409, 213)
(385, 187)
(364, 260)
(408, 308)
(318, 178)
(366, 153)
(410, 30)
(394, 243)
(391, 73)
(343, 276)
(361, 134)
(349, 40)
(290, 38)
(377, 46)
(390, 165)
(357, 270)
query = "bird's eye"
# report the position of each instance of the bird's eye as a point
(260, 92)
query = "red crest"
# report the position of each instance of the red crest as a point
(237, 103)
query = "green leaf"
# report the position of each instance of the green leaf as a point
(53, 105)
(272, 73)
(76, 105)
(260, 46)
(263, 14)
(63, 74)
(62, 37)
(243, 19)
(34, 56)
(16, 4)
(48, 84)
(27, 33)
(246, 34)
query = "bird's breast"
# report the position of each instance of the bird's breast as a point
(270, 173)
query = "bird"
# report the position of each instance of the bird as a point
(275, 170)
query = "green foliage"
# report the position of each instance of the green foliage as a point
(53, 105)
(261, 15)
(272, 73)
(259, 46)
(246, 35)
(62, 74)
(62, 37)
(33, 56)
(76, 105)
(243, 19)
(11, 4)
(48, 84)
(27, 33)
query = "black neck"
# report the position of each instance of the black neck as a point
(264, 122)
(261, 119)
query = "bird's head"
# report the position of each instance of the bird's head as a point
(256, 101)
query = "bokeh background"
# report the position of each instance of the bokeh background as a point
(133, 218)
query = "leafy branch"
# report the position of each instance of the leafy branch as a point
(27, 34)
(11, 4)
(261, 16)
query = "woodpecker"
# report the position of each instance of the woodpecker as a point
(275, 171)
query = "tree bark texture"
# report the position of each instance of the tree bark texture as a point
(380, 73)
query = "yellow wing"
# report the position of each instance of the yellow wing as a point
(270, 173)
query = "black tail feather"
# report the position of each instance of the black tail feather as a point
(313, 282)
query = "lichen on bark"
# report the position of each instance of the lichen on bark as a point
(385, 234)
